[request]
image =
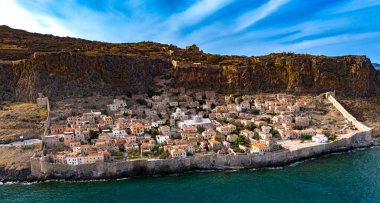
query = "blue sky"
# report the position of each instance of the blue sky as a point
(241, 27)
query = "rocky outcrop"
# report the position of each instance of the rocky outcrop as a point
(350, 75)
(62, 67)
(7, 174)
(60, 75)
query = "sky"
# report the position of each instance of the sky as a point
(234, 27)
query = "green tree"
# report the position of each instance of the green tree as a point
(247, 127)
(275, 133)
(93, 135)
(214, 59)
(305, 137)
(240, 140)
(200, 129)
(122, 148)
(255, 111)
(104, 112)
(332, 137)
(256, 136)
(265, 119)
(154, 132)
(141, 101)
(163, 154)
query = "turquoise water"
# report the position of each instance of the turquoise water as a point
(347, 177)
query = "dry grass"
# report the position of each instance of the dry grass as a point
(18, 119)
(17, 158)
(366, 110)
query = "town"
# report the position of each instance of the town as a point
(179, 123)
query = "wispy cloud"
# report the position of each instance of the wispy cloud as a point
(13, 15)
(354, 5)
(218, 26)
(254, 16)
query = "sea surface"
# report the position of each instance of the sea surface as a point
(346, 177)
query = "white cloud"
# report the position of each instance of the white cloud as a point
(196, 13)
(191, 16)
(13, 15)
(356, 5)
(307, 44)
(261, 12)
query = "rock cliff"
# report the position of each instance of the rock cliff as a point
(62, 67)
(351, 75)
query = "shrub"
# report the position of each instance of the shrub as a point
(214, 59)
(141, 101)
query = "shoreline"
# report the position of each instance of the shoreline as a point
(274, 167)
(42, 171)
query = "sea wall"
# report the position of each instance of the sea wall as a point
(42, 169)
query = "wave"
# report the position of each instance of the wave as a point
(274, 168)
(296, 163)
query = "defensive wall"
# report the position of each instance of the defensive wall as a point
(42, 169)
(359, 125)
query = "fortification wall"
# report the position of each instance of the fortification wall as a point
(47, 123)
(42, 169)
(359, 125)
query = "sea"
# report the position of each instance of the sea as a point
(352, 176)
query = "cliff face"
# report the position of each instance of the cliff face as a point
(60, 75)
(61, 67)
(351, 75)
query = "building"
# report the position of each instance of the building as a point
(289, 134)
(146, 147)
(179, 115)
(265, 135)
(266, 128)
(309, 131)
(117, 105)
(232, 137)
(302, 121)
(165, 130)
(41, 100)
(118, 133)
(162, 138)
(226, 129)
(178, 153)
(214, 145)
(208, 134)
(319, 138)
(259, 148)
(196, 121)
(107, 120)
(137, 128)
(57, 129)
(247, 133)
(189, 129)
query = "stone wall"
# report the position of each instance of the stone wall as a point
(42, 169)
(359, 125)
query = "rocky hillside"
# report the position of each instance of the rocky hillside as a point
(61, 67)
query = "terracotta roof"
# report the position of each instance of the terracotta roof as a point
(259, 145)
